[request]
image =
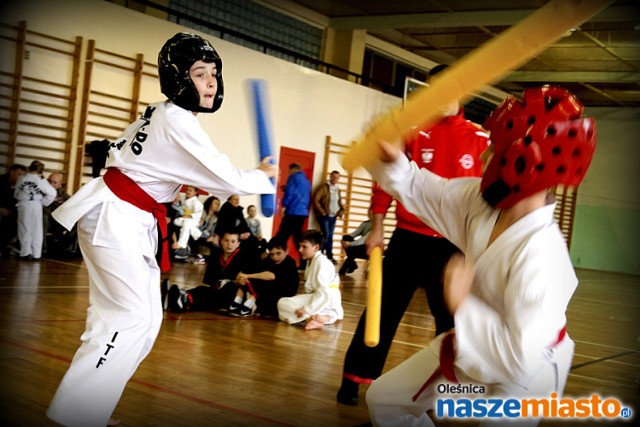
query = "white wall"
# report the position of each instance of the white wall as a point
(305, 105)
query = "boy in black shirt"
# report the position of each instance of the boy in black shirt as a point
(277, 277)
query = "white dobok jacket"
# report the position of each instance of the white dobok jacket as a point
(509, 324)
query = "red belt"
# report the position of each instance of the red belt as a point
(447, 359)
(126, 189)
(561, 334)
(446, 367)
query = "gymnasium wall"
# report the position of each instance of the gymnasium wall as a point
(607, 224)
(306, 106)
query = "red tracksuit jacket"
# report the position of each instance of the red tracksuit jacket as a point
(450, 149)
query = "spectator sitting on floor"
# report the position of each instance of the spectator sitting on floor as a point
(225, 262)
(207, 226)
(276, 277)
(209, 219)
(256, 227)
(354, 245)
(231, 217)
(322, 303)
(188, 222)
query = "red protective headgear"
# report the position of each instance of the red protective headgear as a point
(538, 142)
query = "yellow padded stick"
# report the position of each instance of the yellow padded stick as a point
(485, 65)
(374, 299)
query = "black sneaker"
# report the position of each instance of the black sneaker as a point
(164, 293)
(182, 253)
(234, 309)
(187, 300)
(178, 300)
(245, 311)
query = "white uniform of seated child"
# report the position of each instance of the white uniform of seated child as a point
(322, 304)
(189, 222)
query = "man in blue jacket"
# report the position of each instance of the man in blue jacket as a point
(295, 204)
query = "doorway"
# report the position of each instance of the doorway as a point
(306, 160)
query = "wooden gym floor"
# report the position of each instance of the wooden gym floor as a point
(208, 369)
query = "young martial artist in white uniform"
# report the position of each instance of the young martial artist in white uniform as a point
(117, 227)
(190, 219)
(322, 302)
(32, 192)
(510, 334)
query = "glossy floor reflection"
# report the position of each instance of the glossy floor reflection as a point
(210, 369)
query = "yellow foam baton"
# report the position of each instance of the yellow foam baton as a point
(374, 298)
(485, 65)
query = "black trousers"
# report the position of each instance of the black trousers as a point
(208, 298)
(291, 225)
(353, 253)
(411, 260)
(269, 293)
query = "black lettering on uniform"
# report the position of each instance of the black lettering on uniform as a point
(141, 136)
(109, 347)
(148, 112)
(136, 145)
(100, 362)
(116, 145)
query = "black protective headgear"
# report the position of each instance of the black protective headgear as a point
(175, 59)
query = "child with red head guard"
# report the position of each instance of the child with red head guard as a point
(510, 294)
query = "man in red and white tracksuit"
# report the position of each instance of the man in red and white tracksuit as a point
(416, 254)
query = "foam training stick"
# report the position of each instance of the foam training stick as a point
(374, 299)
(484, 65)
(259, 94)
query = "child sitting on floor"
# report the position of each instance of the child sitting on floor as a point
(276, 278)
(322, 304)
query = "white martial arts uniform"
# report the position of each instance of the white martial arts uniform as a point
(322, 287)
(33, 193)
(162, 150)
(189, 227)
(507, 330)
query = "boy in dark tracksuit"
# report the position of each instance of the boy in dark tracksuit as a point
(224, 265)
(277, 277)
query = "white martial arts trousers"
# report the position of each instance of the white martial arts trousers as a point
(123, 321)
(287, 309)
(390, 403)
(30, 228)
(188, 228)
